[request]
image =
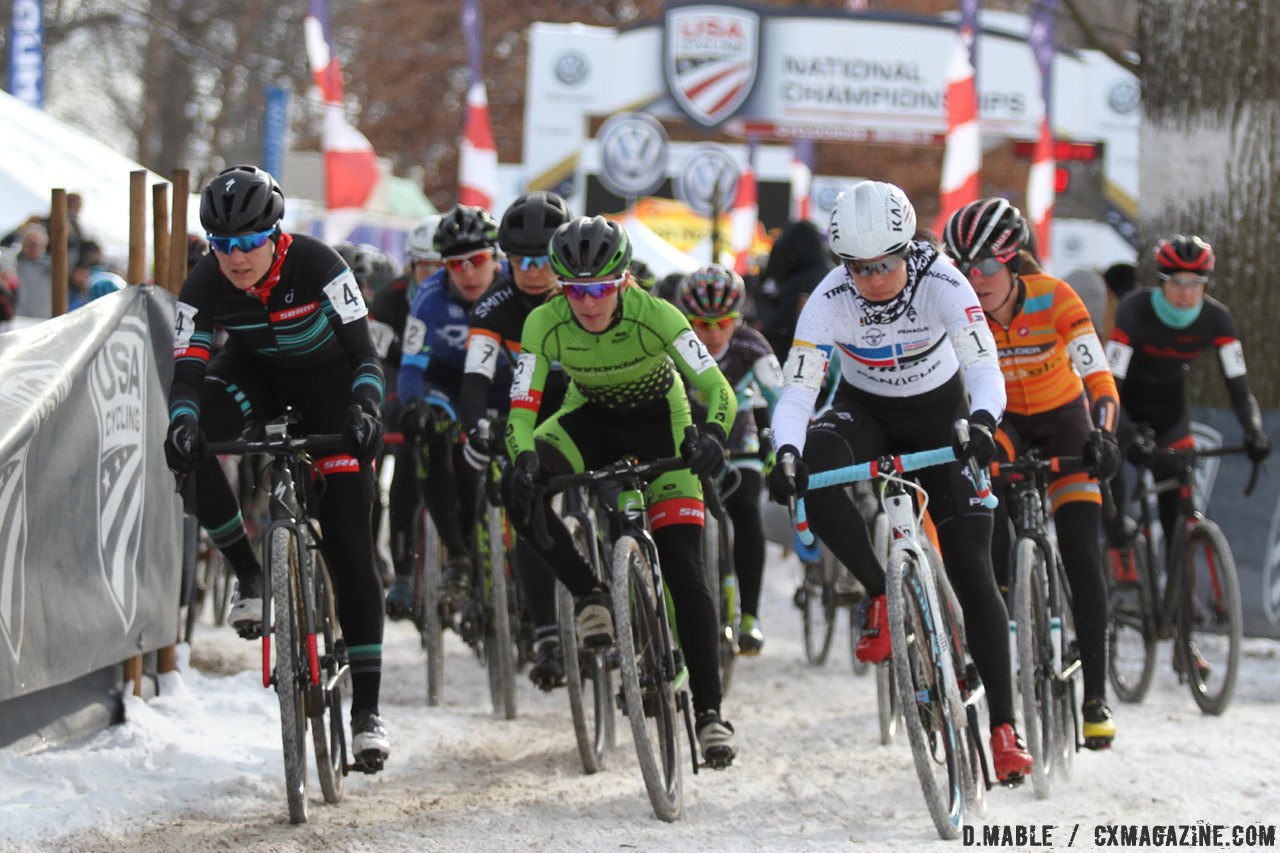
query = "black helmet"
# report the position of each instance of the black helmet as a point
(530, 221)
(241, 200)
(986, 228)
(358, 259)
(1182, 253)
(590, 248)
(465, 229)
(643, 274)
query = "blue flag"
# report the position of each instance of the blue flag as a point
(26, 53)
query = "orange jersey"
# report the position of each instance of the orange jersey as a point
(1048, 347)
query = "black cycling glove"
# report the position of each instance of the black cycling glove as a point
(705, 453)
(781, 487)
(1103, 453)
(1257, 445)
(981, 447)
(184, 446)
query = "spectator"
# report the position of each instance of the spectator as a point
(8, 285)
(197, 248)
(799, 261)
(75, 233)
(1120, 278)
(35, 273)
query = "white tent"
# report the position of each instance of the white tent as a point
(662, 257)
(38, 153)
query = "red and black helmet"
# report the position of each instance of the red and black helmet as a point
(986, 228)
(1182, 253)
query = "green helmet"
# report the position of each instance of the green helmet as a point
(590, 248)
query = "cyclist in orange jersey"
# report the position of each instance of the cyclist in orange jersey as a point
(1047, 343)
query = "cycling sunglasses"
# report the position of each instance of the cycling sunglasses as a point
(728, 321)
(862, 269)
(243, 242)
(534, 262)
(463, 263)
(594, 289)
(1182, 279)
(986, 266)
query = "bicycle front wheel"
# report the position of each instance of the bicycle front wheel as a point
(324, 705)
(1035, 661)
(923, 678)
(816, 599)
(430, 622)
(290, 666)
(1210, 623)
(644, 656)
(588, 679)
(1131, 637)
(500, 657)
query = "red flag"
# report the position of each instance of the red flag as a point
(1040, 189)
(962, 160)
(478, 156)
(351, 167)
(743, 216)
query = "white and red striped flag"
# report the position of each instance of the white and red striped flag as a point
(962, 159)
(1040, 183)
(745, 214)
(477, 154)
(351, 167)
(802, 153)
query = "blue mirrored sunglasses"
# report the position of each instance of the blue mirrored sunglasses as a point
(243, 242)
(530, 262)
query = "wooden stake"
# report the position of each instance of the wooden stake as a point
(59, 276)
(137, 226)
(133, 672)
(178, 232)
(160, 233)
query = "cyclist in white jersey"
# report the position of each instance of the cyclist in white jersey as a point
(915, 355)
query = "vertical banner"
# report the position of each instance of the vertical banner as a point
(275, 124)
(350, 166)
(26, 53)
(802, 157)
(962, 160)
(477, 155)
(745, 213)
(1040, 189)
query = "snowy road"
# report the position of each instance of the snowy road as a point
(200, 768)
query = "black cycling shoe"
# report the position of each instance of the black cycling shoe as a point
(547, 671)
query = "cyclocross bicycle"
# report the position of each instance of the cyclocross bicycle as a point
(309, 668)
(937, 688)
(1048, 661)
(653, 674)
(1200, 603)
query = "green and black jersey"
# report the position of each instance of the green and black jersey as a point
(628, 366)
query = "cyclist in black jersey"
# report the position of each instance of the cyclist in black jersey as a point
(712, 297)
(497, 321)
(387, 317)
(1157, 334)
(297, 337)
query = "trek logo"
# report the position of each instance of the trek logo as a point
(118, 390)
(710, 59)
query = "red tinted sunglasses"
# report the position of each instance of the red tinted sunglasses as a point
(728, 321)
(467, 262)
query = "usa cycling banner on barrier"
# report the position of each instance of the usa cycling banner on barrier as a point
(90, 527)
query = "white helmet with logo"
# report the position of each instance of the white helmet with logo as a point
(421, 243)
(871, 219)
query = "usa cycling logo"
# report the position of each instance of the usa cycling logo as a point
(710, 60)
(118, 389)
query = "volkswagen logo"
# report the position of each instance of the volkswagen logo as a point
(1124, 97)
(572, 68)
(709, 167)
(633, 154)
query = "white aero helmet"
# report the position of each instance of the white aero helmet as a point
(421, 243)
(871, 219)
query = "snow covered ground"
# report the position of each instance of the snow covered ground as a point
(199, 767)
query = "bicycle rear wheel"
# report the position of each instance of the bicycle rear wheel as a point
(500, 657)
(588, 678)
(717, 556)
(817, 603)
(1066, 697)
(644, 654)
(924, 681)
(1131, 638)
(1035, 661)
(324, 700)
(289, 667)
(430, 622)
(1210, 623)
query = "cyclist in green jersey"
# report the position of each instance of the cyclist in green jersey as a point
(621, 348)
